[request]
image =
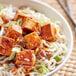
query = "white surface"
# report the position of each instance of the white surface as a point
(51, 13)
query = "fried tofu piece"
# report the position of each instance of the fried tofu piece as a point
(20, 14)
(48, 32)
(30, 25)
(5, 18)
(25, 58)
(14, 31)
(6, 45)
(32, 40)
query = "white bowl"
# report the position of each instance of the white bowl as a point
(51, 13)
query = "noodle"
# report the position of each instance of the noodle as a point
(9, 11)
(57, 48)
(4, 73)
(2, 61)
(20, 73)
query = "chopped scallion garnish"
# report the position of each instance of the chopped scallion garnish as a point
(12, 56)
(19, 21)
(7, 66)
(44, 69)
(57, 58)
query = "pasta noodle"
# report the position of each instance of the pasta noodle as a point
(58, 48)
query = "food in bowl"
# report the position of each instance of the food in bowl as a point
(30, 43)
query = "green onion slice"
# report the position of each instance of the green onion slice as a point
(12, 56)
(57, 58)
(7, 66)
(44, 69)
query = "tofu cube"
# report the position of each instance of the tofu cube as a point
(25, 58)
(5, 18)
(14, 31)
(48, 32)
(30, 25)
(19, 15)
(31, 40)
(6, 45)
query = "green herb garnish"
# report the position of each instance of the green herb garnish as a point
(19, 21)
(7, 66)
(57, 58)
(12, 56)
(44, 69)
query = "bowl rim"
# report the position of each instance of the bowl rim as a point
(70, 31)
